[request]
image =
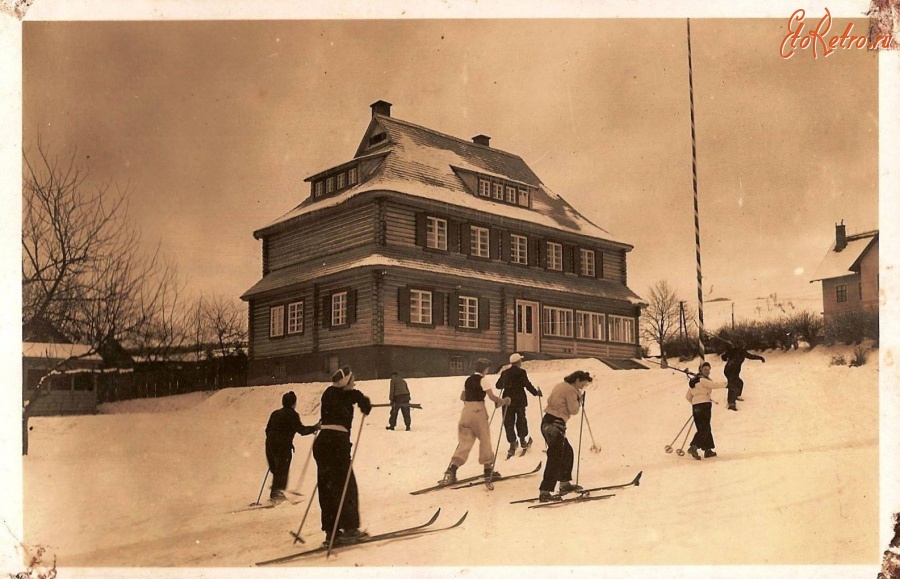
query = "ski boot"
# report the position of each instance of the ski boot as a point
(548, 497)
(732, 406)
(353, 536)
(709, 453)
(449, 477)
(492, 475)
(567, 487)
(512, 450)
(692, 450)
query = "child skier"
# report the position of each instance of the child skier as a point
(699, 395)
(283, 424)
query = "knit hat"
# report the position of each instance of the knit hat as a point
(516, 358)
(342, 377)
(289, 399)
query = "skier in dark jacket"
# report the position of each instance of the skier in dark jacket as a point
(734, 358)
(332, 453)
(283, 424)
(399, 397)
(512, 384)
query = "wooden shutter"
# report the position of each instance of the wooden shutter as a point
(403, 304)
(505, 252)
(567, 258)
(351, 306)
(453, 311)
(484, 314)
(421, 229)
(326, 310)
(495, 248)
(437, 308)
(576, 260)
(465, 239)
(534, 251)
(453, 236)
(598, 264)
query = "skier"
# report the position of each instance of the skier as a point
(734, 357)
(512, 384)
(283, 424)
(399, 396)
(699, 395)
(473, 424)
(332, 453)
(563, 403)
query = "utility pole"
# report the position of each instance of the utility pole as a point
(681, 320)
(732, 316)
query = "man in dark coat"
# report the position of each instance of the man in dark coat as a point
(399, 397)
(283, 424)
(512, 383)
(734, 358)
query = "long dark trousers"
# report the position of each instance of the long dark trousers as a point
(515, 421)
(560, 456)
(735, 388)
(280, 465)
(331, 450)
(703, 438)
(396, 408)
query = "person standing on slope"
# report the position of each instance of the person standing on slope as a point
(563, 403)
(474, 424)
(700, 396)
(512, 384)
(283, 424)
(332, 453)
(399, 397)
(734, 358)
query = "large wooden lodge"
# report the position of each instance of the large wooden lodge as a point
(424, 252)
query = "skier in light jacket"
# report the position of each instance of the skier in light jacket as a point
(700, 396)
(563, 403)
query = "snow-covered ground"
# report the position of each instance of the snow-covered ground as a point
(153, 483)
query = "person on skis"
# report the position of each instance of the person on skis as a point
(283, 424)
(474, 424)
(700, 396)
(563, 403)
(734, 358)
(399, 397)
(512, 384)
(331, 450)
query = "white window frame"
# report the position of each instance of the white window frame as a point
(457, 364)
(554, 256)
(340, 180)
(420, 302)
(484, 188)
(436, 233)
(621, 329)
(468, 312)
(351, 176)
(590, 325)
(518, 249)
(510, 194)
(295, 318)
(319, 189)
(588, 263)
(840, 291)
(498, 191)
(276, 321)
(558, 322)
(329, 185)
(339, 309)
(523, 197)
(481, 241)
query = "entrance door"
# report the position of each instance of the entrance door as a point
(527, 324)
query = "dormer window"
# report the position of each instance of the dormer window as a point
(484, 188)
(523, 197)
(498, 191)
(375, 139)
(329, 185)
(319, 189)
(336, 182)
(341, 178)
(351, 176)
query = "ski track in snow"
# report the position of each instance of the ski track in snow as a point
(153, 482)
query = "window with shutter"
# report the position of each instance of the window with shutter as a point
(276, 322)
(468, 312)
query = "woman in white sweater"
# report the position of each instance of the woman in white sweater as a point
(699, 395)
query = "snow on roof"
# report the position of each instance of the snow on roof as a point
(58, 351)
(840, 263)
(303, 273)
(421, 164)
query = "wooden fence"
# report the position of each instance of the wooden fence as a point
(152, 381)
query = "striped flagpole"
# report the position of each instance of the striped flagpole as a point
(696, 202)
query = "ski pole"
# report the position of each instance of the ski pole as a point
(265, 478)
(491, 421)
(296, 535)
(594, 447)
(669, 446)
(305, 466)
(487, 479)
(680, 451)
(580, 431)
(337, 519)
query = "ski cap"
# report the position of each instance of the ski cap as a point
(516, 358)
(289, 399)
(342, 376)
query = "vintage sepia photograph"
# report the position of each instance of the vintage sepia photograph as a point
(493, 294)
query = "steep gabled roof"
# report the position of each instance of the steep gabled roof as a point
(845, 262)
(424, 163)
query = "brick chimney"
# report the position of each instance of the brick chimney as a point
(840, 236)
(482, 140)
(381, 108)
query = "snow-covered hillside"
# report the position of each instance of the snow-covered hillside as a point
(154, 482)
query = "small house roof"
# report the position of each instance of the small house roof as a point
(844, 262)
(421, 162)
(58, 351)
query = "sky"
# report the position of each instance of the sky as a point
(214, 126)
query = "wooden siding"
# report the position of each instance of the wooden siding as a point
(321, 235)
(868, 269)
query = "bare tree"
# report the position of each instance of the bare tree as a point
(227, 324)
(660, 319)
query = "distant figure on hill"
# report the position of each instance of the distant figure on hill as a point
(734, 357)
(564, 402)
(474, 424)
(700, 396)
(399, 397)
(512, 384)
(283, 424)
